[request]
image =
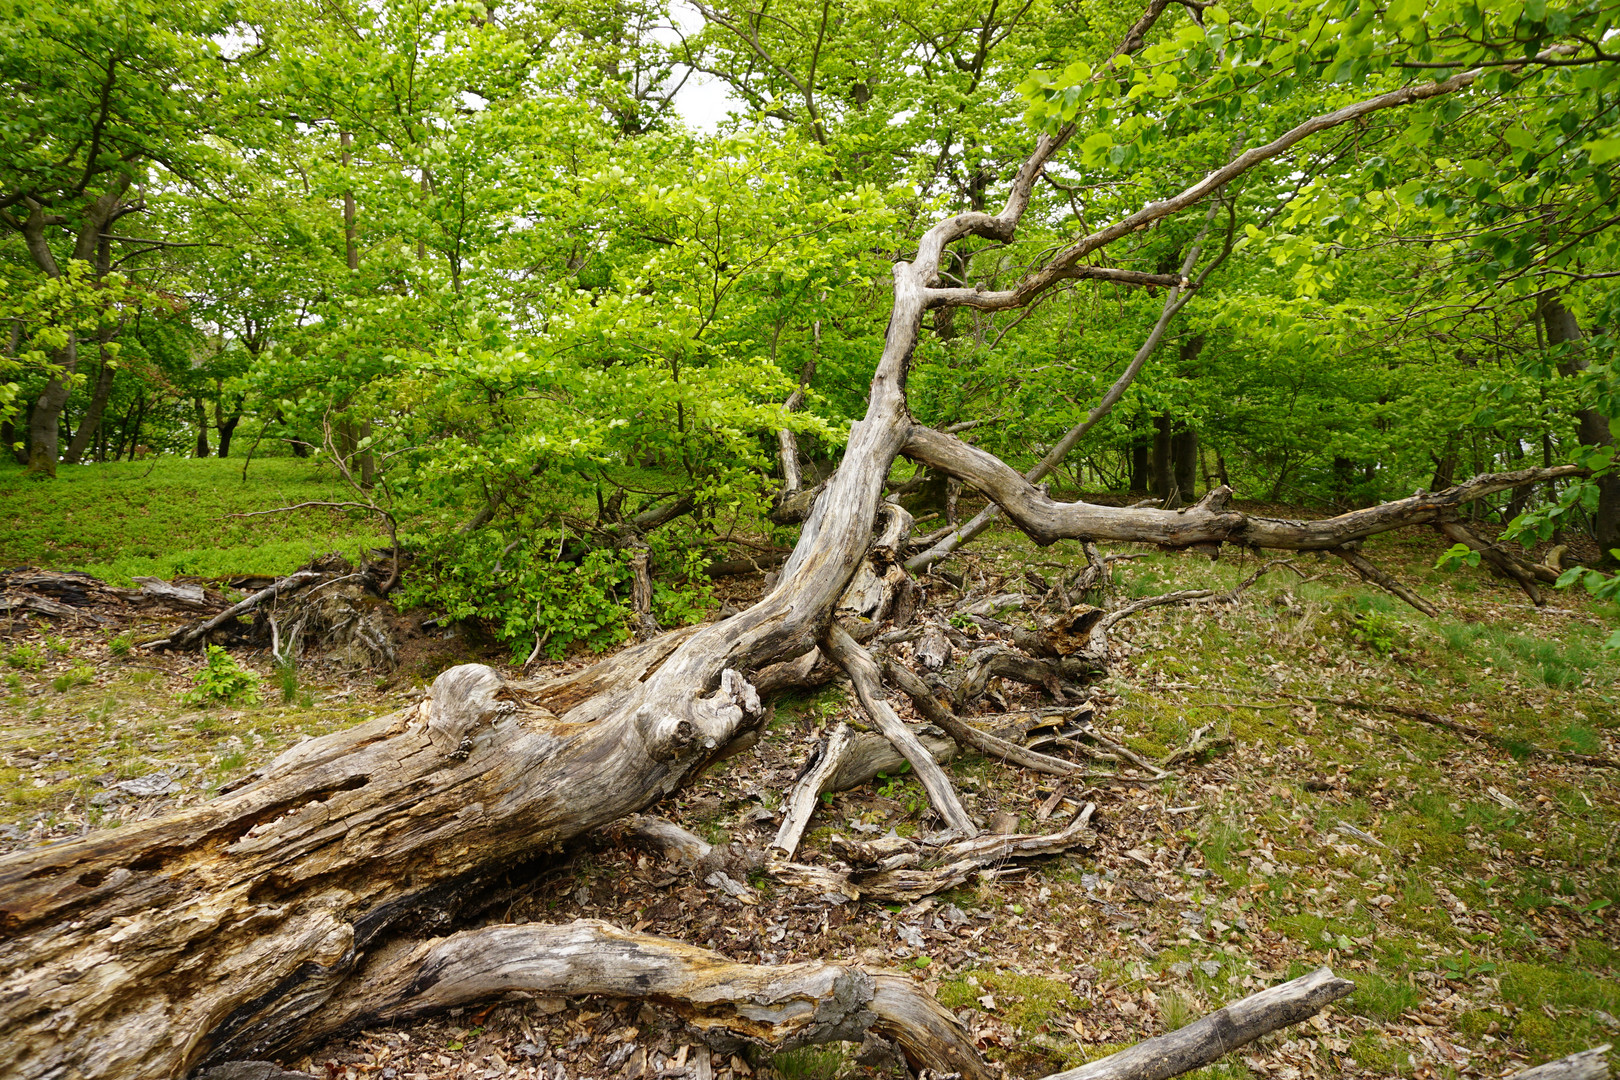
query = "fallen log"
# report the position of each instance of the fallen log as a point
(779, 1006)
(189, 636)
(1216, 1035)
(241, 922)
(1590, 1064)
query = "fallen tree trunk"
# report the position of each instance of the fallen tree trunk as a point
(1212, 1038)
(776, 1006)
(1590, 1064)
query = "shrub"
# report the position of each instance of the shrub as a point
(222, 680)
(27, 657)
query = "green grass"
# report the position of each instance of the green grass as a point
(172, 517)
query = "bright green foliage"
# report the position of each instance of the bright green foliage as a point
(222, 681)
(476, 258)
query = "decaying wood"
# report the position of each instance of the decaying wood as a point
(1504, 562)
(966, 734)
(788, 443)
(807, 789)
(864, 674)
(181, 595)
(1590, 1064)
(189, 636)
(285, 905)
(933, 649)
(934, 870)
(276, 893)
(1218, 1034)
(778, 1006)
(999, 661)
(1371, 573)
(641, 593)
(1047, 521)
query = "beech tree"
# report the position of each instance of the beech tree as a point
(310, 897)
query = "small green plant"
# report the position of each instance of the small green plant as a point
(26, 657)
(222, 680)
(77, 675)
(286, 674)
(121, 645)
(58, 645)
(1377, 631)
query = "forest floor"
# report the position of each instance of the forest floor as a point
(1469, 888)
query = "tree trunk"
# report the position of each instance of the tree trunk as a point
(1445, 467)
(1593, 426)
(1184, 445)
(242, 925)
(200, 414)
(45, 418)
(134, 432)
(1141, 477)
(44, 421)
(226, 425)
(1162, 480)
(91, 423)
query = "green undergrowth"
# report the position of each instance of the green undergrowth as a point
(172, 517)
(66, 743)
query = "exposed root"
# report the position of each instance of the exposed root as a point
(777, 1006)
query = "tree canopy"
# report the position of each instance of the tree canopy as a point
(478, 254)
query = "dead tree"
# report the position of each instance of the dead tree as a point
(314, 893)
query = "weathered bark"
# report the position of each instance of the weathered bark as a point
(864, 673)
(1590, 1064)
(776, 1006)
(1212, 1038)
(807, 789)
(1209, 522)
(787, 442)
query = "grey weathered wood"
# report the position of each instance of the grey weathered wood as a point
(1046, 520)
(774, 1005)
(968, 735)
(1370, 572)
(863, 672)
(239, 923)
(158, 589)
(186, 637)
(1208, 1040)
(1590, 1064)
(806, 793)
(933, 649)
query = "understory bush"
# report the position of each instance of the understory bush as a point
(544, 589)
(222, 680)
